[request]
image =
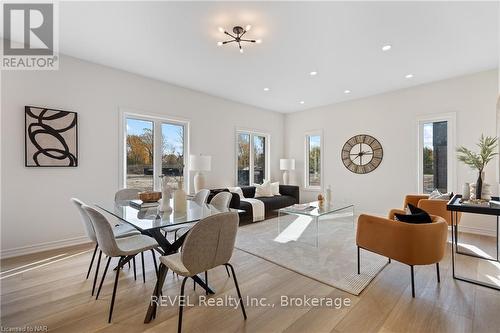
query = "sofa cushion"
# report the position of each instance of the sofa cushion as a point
(277, 202)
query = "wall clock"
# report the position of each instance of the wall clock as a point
(362, 154)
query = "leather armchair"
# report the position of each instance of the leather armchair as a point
(432, 206)
(411, 244)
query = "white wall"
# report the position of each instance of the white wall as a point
(36, 212)
(392, 119)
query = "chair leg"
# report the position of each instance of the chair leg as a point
(359, 269)
(154, 262)
(135, 272)
(227, 271)
(181, 305)
(437, 271)
(206, 282)
(91, 261)
(389, 260)
(143, 270)
(412, 281)
(237, 289)
(114, 291)
(102, 279)
(96, 271)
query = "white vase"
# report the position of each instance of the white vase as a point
(166, 195)
(180, 200)
(466, 192)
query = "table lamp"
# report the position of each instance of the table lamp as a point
(199, 163)
(287, 164)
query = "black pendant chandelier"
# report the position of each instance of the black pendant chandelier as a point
(236, 36)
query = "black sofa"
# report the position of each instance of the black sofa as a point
(289, 196)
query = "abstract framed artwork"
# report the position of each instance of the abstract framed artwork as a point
(51, 137)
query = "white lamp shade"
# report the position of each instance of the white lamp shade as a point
(287, 164)
(200, 163)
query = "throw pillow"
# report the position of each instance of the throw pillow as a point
(435, 194)
(236, 190)
(275, 188)
(263, 190)
(417, 216)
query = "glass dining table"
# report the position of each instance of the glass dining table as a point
(149, 221)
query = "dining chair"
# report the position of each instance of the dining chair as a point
(127, 194)
(209, 244)
(119, 231)
(122, 248)
(201, 196)
(221, 200)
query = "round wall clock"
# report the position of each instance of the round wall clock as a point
(362, 154)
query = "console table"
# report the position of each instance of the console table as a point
(455, 206)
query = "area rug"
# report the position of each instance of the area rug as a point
(325, 251)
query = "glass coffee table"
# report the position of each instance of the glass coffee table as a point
(313, 212)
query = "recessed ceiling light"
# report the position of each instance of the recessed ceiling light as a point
(301, 102)
(408, 76)
(386, 47)
(266, 89)
(313, 73)
(347, 91)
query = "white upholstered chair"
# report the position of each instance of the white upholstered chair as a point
(119, 231)
(127, 194)
(221, 200)
(209, 244)
(122, 248)
(201, 197)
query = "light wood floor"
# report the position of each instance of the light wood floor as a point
(50, 289)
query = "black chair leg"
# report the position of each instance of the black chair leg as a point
(102, 279)
(389, 260)
(114, 292)
(154, 262)
(206, 282)
(91, 262)
(181, 305)
(135, 272)
(359, 269)
(412, 282)
(237, 289)
(96, 271)
(227, 271)
(143, 269)
(437, 271)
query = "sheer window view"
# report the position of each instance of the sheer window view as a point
(172, 159)
(141, 152)
(435, 156)
(314, 160)
(251, 151)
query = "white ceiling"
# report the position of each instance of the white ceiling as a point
(176, 43)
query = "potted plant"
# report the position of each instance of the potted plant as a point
(478, 161)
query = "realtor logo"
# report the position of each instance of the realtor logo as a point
(29, 36)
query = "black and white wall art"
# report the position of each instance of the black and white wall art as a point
(51, 137)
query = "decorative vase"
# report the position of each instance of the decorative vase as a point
(466, 192)
(328, 195)
(479, 185)
(166, 195)
(180, 199)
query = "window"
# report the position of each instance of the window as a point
(153, 147)
(436, 150)
(313, 168)
(252, 151)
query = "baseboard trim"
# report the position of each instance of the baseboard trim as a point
(20, 251)
(476, 231)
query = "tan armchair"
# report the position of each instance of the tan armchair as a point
(432, 206)
(411, 244)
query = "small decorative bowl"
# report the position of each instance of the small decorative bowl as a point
(149, 196)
